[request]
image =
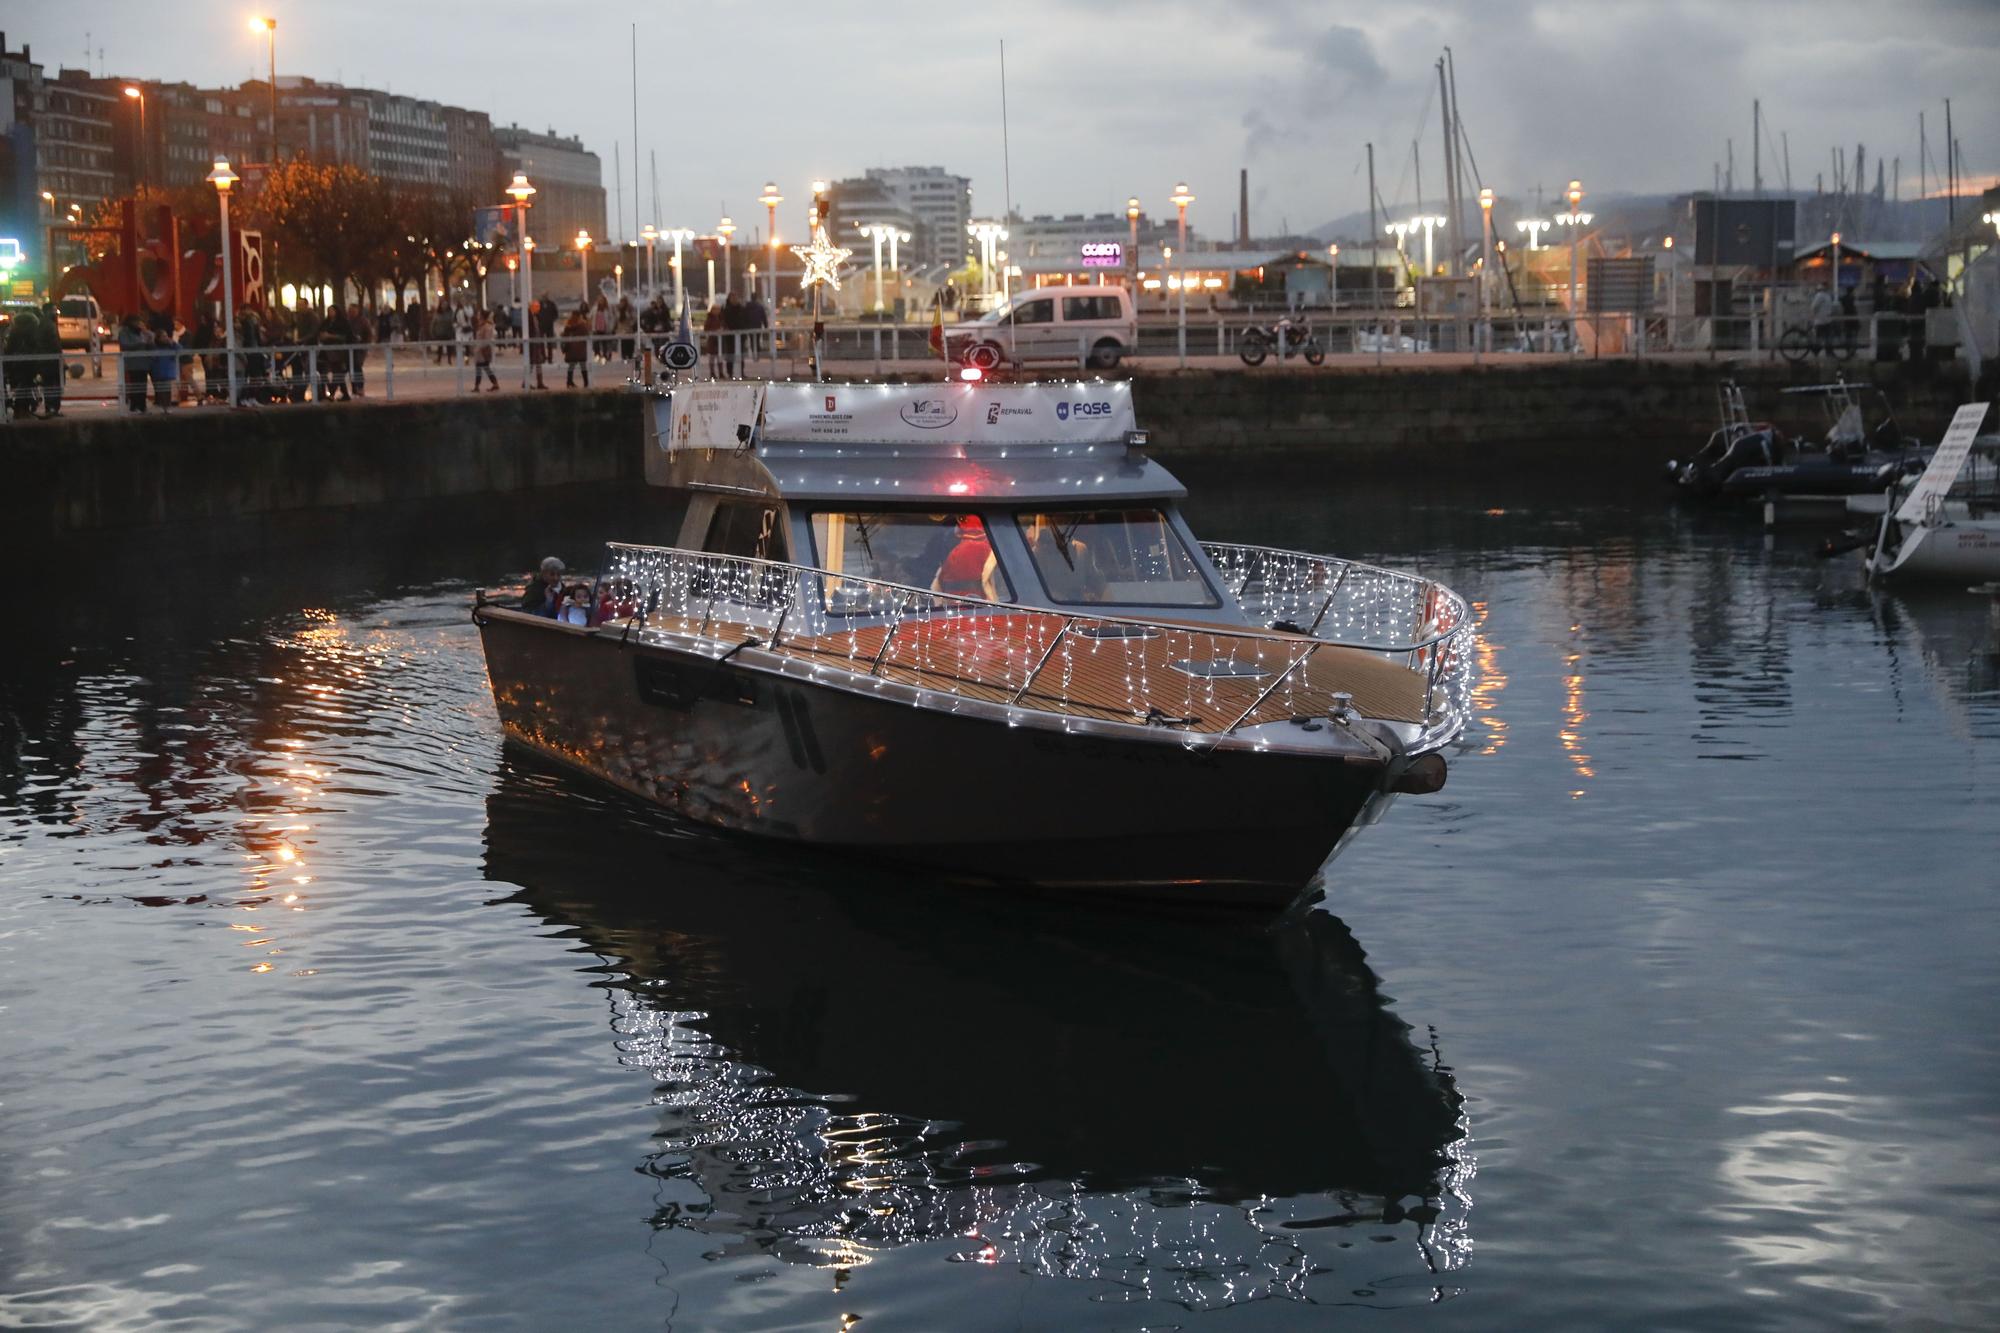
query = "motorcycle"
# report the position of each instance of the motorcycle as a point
(1287, 338)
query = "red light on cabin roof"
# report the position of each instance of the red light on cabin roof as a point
(958, 488)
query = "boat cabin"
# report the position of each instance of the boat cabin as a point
(1039, 495)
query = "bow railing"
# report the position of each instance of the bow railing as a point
(1392, 647)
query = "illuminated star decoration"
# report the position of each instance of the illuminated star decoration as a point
(822, 260)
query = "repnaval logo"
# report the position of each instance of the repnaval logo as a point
(1065, 410)
(929, 413)
(993, 414)
(994, 411)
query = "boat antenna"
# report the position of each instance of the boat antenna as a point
(636, 227)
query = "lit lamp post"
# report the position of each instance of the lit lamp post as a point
(1180, 199)
(269, 27)
(679, 236)
(519, 192)
(1575, 220)
(583, 258)
(1486, 266)
(651, 234)
(139, 143)
(1429, 222)
(1132, 249)
(1401, 231)
(1533, 229)
(1673, 288)
(222, 178)
(989, 235)
(1333, 276)
(618, 276)
(726, 229)
(770, 199)
(1833, 270)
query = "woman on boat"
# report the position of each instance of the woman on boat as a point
(968, 566)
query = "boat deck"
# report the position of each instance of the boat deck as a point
(1203, 679)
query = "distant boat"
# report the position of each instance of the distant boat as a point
(1743, 458)
(1930, 535)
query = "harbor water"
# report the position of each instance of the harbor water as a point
(320, 1007)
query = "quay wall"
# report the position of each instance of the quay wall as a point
(1605, 421)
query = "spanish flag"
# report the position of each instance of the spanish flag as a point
(937, 325)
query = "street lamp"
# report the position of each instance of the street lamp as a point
(989, 235)
(1486, 258)
(1333, 275)
(519, 192)
(139, 142)
(269, 27)
(770, 199)
(679, 236)
(651, 234)
(1534, 227)
(1575, 220)
(221, 177)
(1180, 199)
(583, 257)
(726, 229)
(1132, 249)
(1429, 222)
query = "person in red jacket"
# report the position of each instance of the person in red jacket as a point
(967, 570)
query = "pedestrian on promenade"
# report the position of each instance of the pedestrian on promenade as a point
(334, 336)
(538, 347)
(711, 342)
(757, 318)
(22, 347)
(625, 323)
(482, 352)
(736, 320)
(50, 369)
(165, 361)
(576, 347)
(439, 331)
(655, 321)
(413, 321)
(255, 380)
(364, 333)
(600, 329)
(135, 342)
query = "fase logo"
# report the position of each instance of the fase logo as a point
(1066, 410)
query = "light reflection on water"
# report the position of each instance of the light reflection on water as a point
(314, 1005)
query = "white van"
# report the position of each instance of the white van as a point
(1084, 326)
(79, 322)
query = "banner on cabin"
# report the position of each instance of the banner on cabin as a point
(948, 414)
(713, 416)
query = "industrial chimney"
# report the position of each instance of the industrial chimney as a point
(1243, 209)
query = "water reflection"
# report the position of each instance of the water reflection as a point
(1201, 1115)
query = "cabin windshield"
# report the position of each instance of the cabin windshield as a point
(945, 552)
(1118, 557)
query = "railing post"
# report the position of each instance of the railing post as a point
(389, 371)
(6, 408)
(1047, 653)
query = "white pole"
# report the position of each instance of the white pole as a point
(527, 295)
(228, 296)
(1181, 250)
(728, 278)
(583, 257)
(680, 291)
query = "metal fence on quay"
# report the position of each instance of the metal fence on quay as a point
(284, 374)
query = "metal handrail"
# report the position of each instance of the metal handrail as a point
(654, 572)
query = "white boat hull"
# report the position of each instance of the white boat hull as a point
(1962, 551)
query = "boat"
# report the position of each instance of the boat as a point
(965, 626)
(1747, 458)
(1934, 536)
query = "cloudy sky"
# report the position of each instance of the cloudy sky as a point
(1120, 97)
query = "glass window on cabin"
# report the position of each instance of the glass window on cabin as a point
(1035, 312)
(753, 531)
(943, 552)
(1113, 557)
(1090, 307)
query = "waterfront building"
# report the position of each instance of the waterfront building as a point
(171, 135)
(324, 122)
(933, 204)
(58, 149)
(568, 179)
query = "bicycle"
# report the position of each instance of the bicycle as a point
(1798, 344)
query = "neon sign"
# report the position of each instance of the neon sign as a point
(11, 254)
(1102, 254)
